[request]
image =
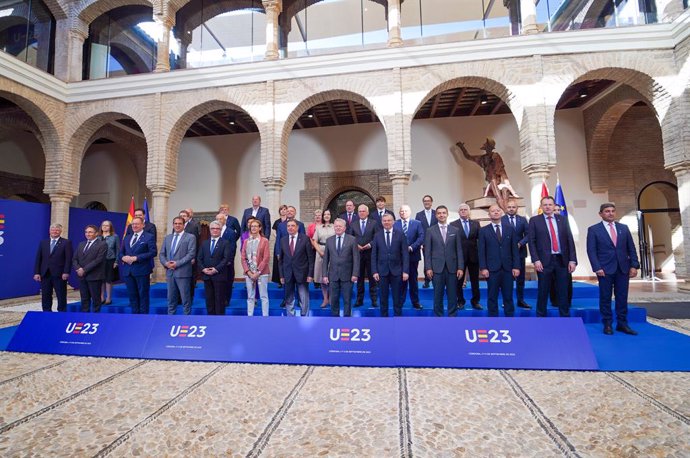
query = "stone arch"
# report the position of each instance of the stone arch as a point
(181, 124)
(89, 10)
(359, 185)
(292, 7)
(189, 16)
(310, 101)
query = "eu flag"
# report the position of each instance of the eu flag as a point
(146, 211)
(560, 200)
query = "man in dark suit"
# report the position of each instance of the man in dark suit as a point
(231, 232)
(136, 258)
(363, 230)
(443, 261)
(212, 260)
(499, 261)
(89, 264)
(177, 252)
(552, 249)
(390, 261)
(282, 231)
(349, 215)
(260, 213)
(53, 261)
(296, 267)
(519, 225)
(340, 267)
(148, 227)
(415, 239)
(611, 252)
(469, 234)
(381, 210)
(191, 226)
(428, 218)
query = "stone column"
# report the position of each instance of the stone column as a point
(274, 189)
(159, 204)
(400, 181)
(70, 35)
(537, 173)
(163, 44)
(273, 9)
(59, 209)
(394, 24)
(528, 13)
(682, 172)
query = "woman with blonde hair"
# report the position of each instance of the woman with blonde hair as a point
(112, 241)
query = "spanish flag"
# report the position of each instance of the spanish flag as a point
(130, 217)
(544, 193)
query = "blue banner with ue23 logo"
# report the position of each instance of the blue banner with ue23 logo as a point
(508, 343)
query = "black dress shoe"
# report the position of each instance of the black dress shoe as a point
(282, 305)
(524, 305)
(417, 306)
(425, 285)
(461, 306)
(625, 329)
(608, 330)
(374, 305)
(477, 306)
(358, 304)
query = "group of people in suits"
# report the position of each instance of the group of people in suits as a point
(373, 246)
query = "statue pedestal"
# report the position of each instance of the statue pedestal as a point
(479, 208)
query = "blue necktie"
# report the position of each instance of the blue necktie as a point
(388, 239)
(405, 227)
(364, 225)
(174, 245)
(467, 228)
(339, 245)
(53, 242)
(213, 245)
(134, 240)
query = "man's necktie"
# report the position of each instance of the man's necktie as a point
(388, 239)
(87, 246)
(443, 232)
(554, 236)
(363, 225)
(614, 236)
(134, 240)
(512, 221)
(292, 245)
(349, 218)
(339, 245)
(405, 228)
(498, 232)
(53, 242)
(380, 215)
(213, 245)
(174, 244)
(466, 225)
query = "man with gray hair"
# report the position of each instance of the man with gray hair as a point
(340, 267)
(52, 266)
(469, 236)
(212, 260)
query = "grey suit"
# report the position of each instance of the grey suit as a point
(92, 261)
(340, 267)
(444, 259)
(179, 285)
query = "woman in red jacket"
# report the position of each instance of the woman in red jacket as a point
(255, 258)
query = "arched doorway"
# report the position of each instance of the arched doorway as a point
(659, 220)
(337, 204)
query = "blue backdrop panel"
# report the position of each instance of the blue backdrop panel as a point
(24, 225)
(422, 342)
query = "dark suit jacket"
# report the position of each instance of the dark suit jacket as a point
(299, 265)
(282, 232)
(521, 232)
(343, 266)
(469, 243)
(145, 250)
(219, 259)
(415, 237)
(371, 228)
(148, 227)
(343, 216)
(232, 235)
(58, 262)
(262, 215)
(603, 254)
(376, 217)
(495, 255)
(438, 255)
(540, 240)
(421, 217)
(92, 261)
(390, 261)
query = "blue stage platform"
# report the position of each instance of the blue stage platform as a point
(585, 303)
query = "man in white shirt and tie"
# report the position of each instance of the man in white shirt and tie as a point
(427, 217)
(177, 253)
(363, 229)
(136, 257)
(349, 215)
(381, 210)
(89, 264)
(340, 267)
(520, 225)
(469, 235)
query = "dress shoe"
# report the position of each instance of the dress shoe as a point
(477, 306)
(282, 305)
(625, 329)
(374, 305)
(524, 305)
(608, 330)
(461, 305)
(107, 302)
(417, 306)
(358, 304)
(425, 285)
(325, 305)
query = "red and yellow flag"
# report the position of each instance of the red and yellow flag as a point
(544, 193)
(130, 216)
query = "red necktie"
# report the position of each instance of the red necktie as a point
(554, 237)
(292, 245)
(614, 236)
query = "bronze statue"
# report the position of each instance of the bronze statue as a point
(498, 185)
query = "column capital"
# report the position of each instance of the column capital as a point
(400, 177)
(273, 183)
(62, 196)
(679, 168)
(273, 5)
(538, 170)
(161, 190)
